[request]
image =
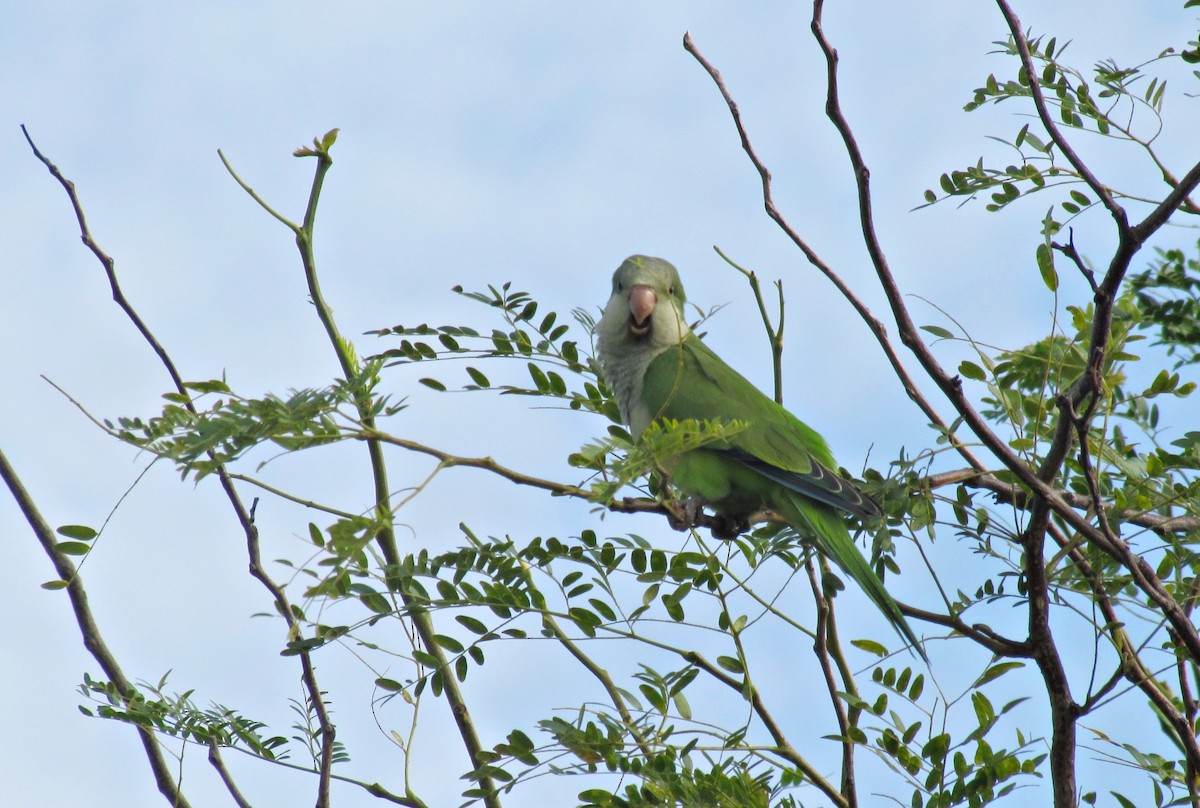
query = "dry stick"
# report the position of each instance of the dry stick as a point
(385, 538)
(93, 640)
(245, 518)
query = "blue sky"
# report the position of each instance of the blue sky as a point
(532, 142)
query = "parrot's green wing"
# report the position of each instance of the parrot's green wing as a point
(776, 462)
(693, 382)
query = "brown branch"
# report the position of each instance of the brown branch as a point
(979, 633)
(218, 763)
(1047, 118)
(1178, 197)
(672, 510)
(1072, 253)
(1064, 712)
(244, 516)
(876, 326)
(93, 640)
(106, 261)
(825, 642)
(1012, 494)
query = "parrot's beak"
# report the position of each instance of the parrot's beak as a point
(642, 301)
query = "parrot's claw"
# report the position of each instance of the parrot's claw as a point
(686, 514)
(729, 527)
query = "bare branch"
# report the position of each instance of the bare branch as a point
(878, 329)
(1173, 201)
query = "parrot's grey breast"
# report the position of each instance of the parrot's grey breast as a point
(625, 370)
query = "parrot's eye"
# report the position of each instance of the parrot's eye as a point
(620, 286)
(671, 291)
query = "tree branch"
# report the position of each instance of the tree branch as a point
(876, 326)
(1047, 119)
(1012, 494)
(824, 646)
(93, 640)
(244, 516)
(385, 539)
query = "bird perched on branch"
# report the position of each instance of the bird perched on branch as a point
(659, 369)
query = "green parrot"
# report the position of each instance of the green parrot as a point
(658, 368)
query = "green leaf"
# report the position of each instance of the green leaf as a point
(433, 383)
(918, 687)
(392, 685)
(471, 624)
(972, 371)
(731, 664)
(478, 377)
(681, 706)
(376, 602)
(539, 378)
(938, 331)
(77, 548)
(996, 671)
(81, 532)
(871, 647)
(53, 585)
(1045, 262)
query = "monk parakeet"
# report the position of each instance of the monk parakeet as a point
(658, 368)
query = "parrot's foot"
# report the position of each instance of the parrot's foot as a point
(686, 514)
(729, 527)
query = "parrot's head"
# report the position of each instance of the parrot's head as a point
(646, 306)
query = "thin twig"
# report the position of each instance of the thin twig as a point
(774, 334)
(1012, 494)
